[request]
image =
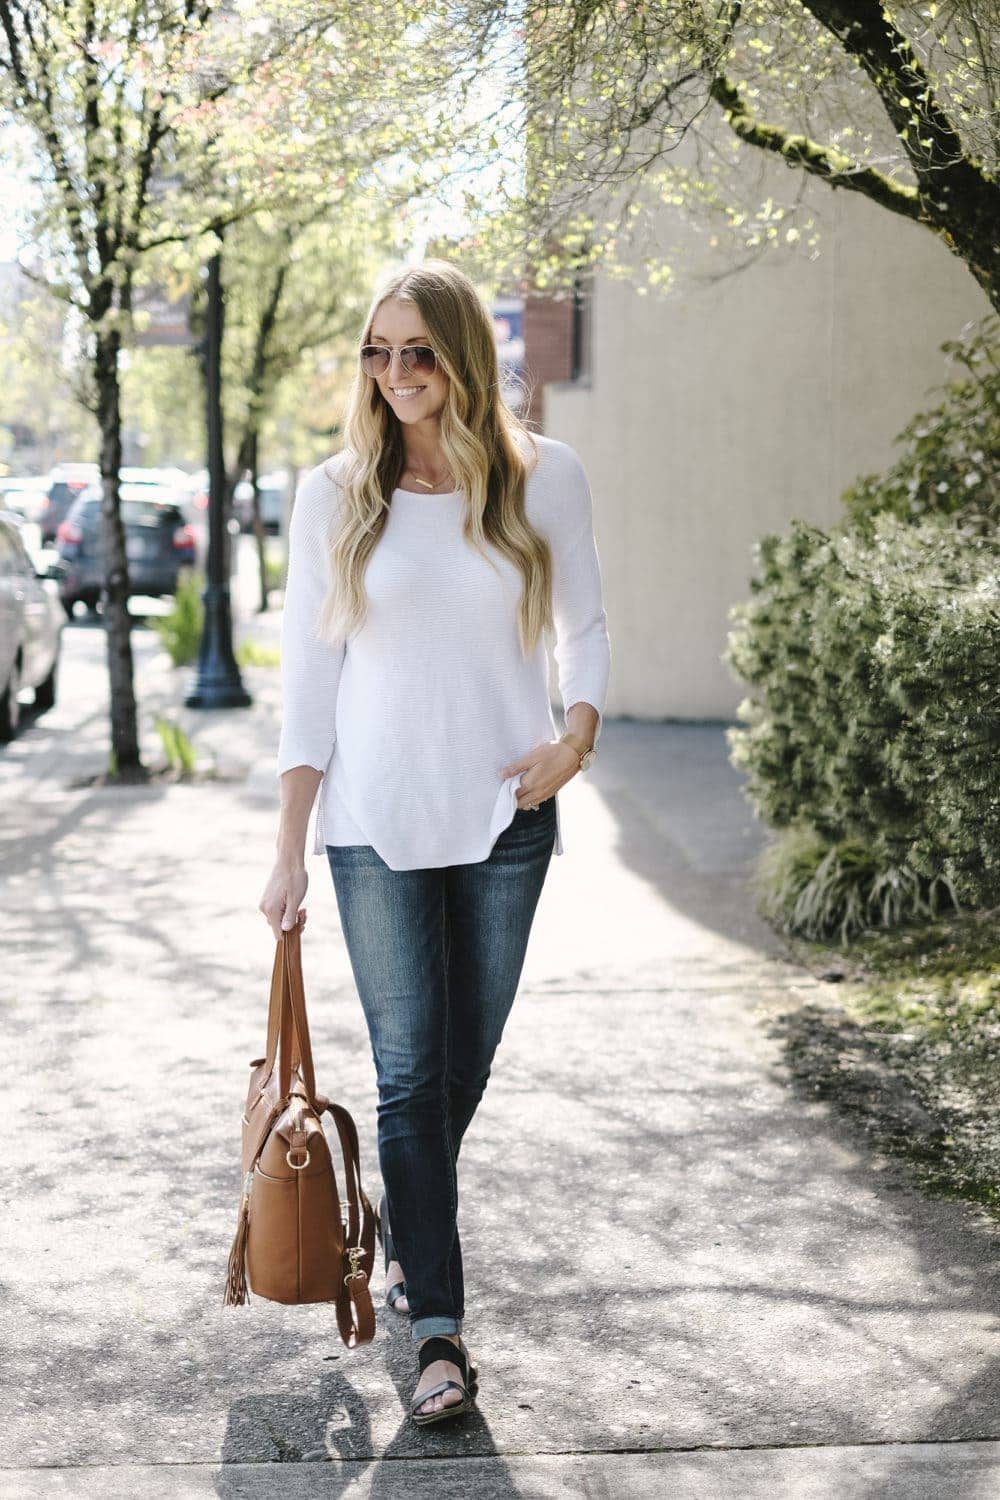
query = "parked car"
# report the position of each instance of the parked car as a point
(44, 557)
(158, 544)
(30, 531)
(66, 482)
(25, 493)
(272, 489)
(31, 626)
(174, 480)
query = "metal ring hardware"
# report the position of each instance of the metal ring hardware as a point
(354, 1255)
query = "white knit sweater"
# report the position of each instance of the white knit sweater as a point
(412, 720)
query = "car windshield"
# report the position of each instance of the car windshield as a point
(149, 513)
(134, 512)
(60, 488)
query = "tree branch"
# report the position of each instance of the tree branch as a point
(54, 289)
(95, 167)
(930, 141)
(44, 121)
(835, 168)
(182, 236)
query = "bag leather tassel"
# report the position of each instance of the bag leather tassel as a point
(236, 1281)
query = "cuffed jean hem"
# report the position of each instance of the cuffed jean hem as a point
(426, 1328)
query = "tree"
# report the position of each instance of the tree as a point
(82, 77)
(896, 103)
(159, 122)
(297, 282)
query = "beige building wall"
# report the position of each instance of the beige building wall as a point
(716, 416)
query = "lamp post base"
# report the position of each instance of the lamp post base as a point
(218, 684)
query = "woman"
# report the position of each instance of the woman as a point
(425, 561)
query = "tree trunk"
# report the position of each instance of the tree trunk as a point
(247, 462)
(959, 197)
(969, 226)
(257, 379)
(253, 464)
(126, 764)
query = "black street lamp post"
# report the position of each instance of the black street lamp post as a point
(218, 683)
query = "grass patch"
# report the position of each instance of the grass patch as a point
(909, 1046)
(177, 746)
(275, 569)
(252, 654)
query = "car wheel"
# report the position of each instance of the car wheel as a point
(45, 692)
(10, 708)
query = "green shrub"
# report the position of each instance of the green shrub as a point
(180, 630)
(870, 651)
(815, 888)
(873, 720)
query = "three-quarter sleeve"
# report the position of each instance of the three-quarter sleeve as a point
(582, 647)
(310, 667)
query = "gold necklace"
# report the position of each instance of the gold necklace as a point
(425, 482)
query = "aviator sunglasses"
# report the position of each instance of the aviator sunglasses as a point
(416, 359)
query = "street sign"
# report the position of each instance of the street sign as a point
(161, 317)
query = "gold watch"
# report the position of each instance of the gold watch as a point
(586, 752)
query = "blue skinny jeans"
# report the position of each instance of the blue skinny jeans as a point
(437, 957)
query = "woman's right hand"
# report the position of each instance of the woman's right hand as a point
(283, 896)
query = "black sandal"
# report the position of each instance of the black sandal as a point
(442, 1348)
(398, 1288)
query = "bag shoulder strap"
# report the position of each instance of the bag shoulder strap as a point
(355, 1314)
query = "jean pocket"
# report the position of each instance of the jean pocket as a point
(529, 830)
(544, 810)
(354, 857)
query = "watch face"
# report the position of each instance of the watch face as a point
(587, 759)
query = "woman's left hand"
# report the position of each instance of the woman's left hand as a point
(546, 768)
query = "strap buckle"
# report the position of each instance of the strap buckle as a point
(354, 1255)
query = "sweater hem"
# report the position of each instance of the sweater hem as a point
(509, 788)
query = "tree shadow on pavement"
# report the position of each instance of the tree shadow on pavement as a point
(331, 1426)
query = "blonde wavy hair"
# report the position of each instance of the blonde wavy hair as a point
(480, 440)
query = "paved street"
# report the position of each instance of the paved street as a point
(684, 1278)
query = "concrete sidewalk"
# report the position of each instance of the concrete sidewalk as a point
(684, 1279)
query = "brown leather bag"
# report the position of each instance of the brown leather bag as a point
(293, 1242)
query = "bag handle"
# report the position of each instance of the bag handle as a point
(288, 1041)
(296, 1047)
(274, 1007)
(276, 1010)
